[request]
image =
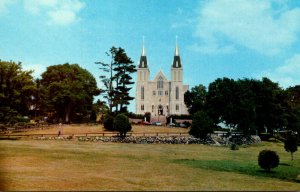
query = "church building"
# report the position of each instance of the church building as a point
(160, 96)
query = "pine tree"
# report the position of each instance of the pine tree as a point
(118, 82)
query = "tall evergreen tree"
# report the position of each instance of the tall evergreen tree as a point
(123, 70)
(117, 82)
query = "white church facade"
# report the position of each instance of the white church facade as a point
(160, 96)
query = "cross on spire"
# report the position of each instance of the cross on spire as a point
(143, 50)
(176, 49)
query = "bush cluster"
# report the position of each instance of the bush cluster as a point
(118, 123)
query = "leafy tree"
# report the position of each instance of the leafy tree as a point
(67, 89)
(291, 144)
(293, 113)
(195, 99)
(16, 91)
(270, 109)
(221, 101)
(117, 82)
(247, 104)
(122, 124)
(202, 125)
(268, 160)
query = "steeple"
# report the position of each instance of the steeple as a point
(143, 49)
(176, 48)
(177, 60)
(143, 59)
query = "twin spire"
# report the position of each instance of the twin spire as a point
(176, 61)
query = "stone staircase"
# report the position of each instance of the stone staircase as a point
(161, 118)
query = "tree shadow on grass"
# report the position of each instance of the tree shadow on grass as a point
(285, 172)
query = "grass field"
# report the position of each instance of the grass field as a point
(81, 128)
(73, 165)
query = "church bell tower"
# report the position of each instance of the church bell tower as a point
(143, 73)
(176, 98)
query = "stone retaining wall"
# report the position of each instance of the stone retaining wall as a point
(211, 140)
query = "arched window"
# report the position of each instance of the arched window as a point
(160, 83)
(142, 93)
(177, 93)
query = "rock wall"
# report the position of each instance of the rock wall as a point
(211, 140)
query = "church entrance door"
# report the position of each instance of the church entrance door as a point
(160, 110)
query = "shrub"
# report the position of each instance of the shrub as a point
(234, 146)
(290, 144)
(202, 125)
(108, 122)
(121, 123)
(268, 160)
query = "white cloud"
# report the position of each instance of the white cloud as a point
(254, 24)
(35, 6)
(59, 12)
(286, 74)
(4, 4)
(211, 48)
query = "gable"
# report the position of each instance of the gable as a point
(160, 75)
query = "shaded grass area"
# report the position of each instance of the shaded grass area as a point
(283, 171)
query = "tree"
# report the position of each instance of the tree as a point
(291, 144)
(117, 82)
(67, 89)
(124, 67)
(122, 124)
(221, 101)
(293, 112)
(16, 91)
(195, 99)
(270, 109)
(247, 104)
(245, 107)
(202, 125)
(268, 160)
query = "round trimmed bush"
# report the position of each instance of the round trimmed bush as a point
(108, 122)
(268, 159)
(122, 124)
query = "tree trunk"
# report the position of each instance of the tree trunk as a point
(68, 111)
(292, 156)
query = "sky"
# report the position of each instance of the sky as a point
(217, 38)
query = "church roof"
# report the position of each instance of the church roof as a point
(160, 74)
(143, 62)
(176, 60)
(143, 59)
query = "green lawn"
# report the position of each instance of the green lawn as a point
(73, 165)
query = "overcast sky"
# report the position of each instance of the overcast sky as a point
(217, 38)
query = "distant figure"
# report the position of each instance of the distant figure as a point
(59, 129)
